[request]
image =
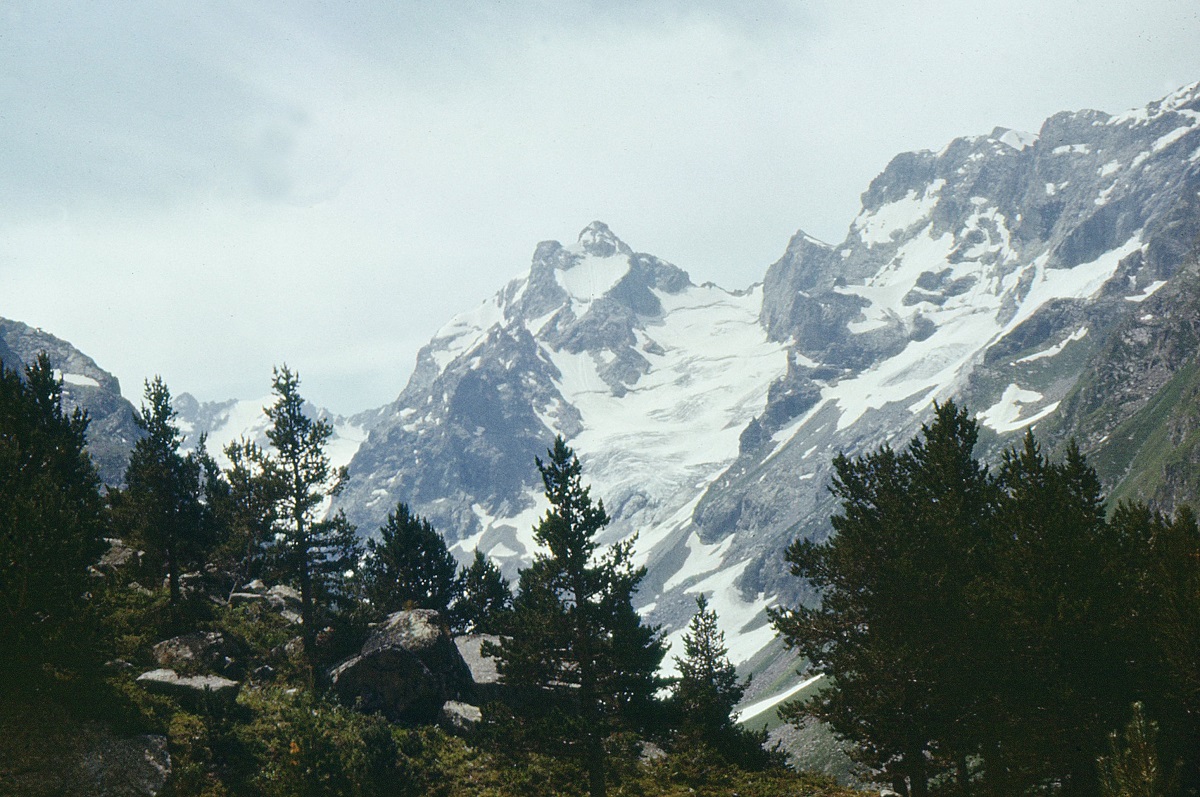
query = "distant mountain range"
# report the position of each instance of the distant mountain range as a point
(1046, 278)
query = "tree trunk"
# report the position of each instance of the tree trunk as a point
(597, 787)
(172, 587)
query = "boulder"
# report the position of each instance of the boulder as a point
(281, 596)
(202, 651)
(118, 555)
(193, 689)
(456, 717)
(40, 758)
(286, 601)
(408, 668)
(485, 678)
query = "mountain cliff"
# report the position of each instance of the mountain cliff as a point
(112, 430)
(995, 271)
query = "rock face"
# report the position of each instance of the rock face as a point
(112, 430)
(485, 677)
(990, 272)
(408, 668)
(201, 652)
(191, 688)
(83, 761)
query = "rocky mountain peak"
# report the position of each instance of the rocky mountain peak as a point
(598, 240)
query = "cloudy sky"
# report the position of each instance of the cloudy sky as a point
(203, 190)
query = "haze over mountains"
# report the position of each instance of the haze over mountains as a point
(1043, 278)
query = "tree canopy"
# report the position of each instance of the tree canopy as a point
(52, 522)
(573, 644)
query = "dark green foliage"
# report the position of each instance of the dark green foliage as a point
(484, 598)
(164, 508)
(1132, 767)
(245, 502)
(314, 552)
(574, 646)
(900, 652)
(1053, 601)
(52, 522)
(409, 566)
(988, 630)
(1164, 627)
(706, 692)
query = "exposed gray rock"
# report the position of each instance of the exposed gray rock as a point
(456, 717)
(87, 760)
(485, 677)
(408, 668)
(118, 555)
(200, 652)
(192, 688)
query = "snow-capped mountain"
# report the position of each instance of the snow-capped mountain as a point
(650, 377)
(225, 422)
(111, 429)
(987, 272)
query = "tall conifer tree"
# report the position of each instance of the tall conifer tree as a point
(409, 566)
(316, 550)
(163, 506)
(574, 644)
(52, 522)
(484, 599)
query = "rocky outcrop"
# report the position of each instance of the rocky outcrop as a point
(193, 690)
(41, 759)
(485, 677)
(201, 652)
(407, 670)
(111, 431)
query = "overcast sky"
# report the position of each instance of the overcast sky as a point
(202, 190)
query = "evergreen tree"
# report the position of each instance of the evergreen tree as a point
(1055, 607)
(705, 694)
(574, 645)
(1163, 627)
(409, 566)
(315, 551)
(893, 629)
(484, 599)
(163, 508)
(1132, 767)
(708, 687)
(246, 499)
(52, 521)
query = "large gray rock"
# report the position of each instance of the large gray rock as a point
(457, 717)
(193, 689)
(485, 678)
(200, 652)
(408, 668)
(85, 760)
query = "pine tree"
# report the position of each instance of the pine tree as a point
(163, 507)
(484, 600)
(409, 566)
(245, 500)
(316, 551)
(52, 522)
(893, 629)
(708, 687)
(1055, 607)
(1132, 767)
(574, 645)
